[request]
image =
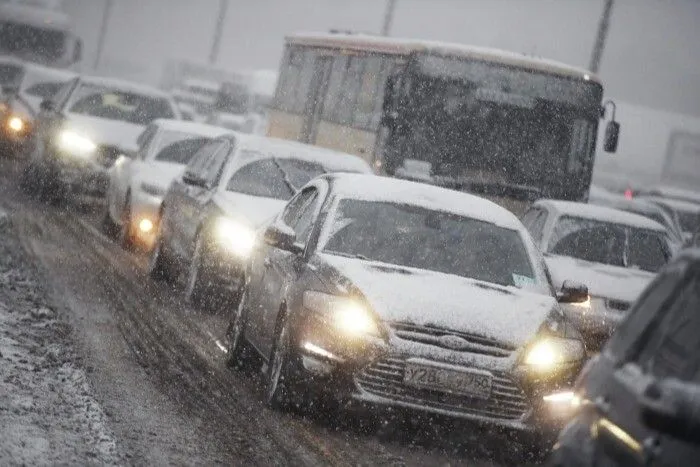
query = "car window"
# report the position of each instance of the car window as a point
(291, 211)
(197, 165)
(303, 222)
(214, 165)
(643, 315)
(278, 178)
(44, 90)
(673, 350)
(117, 104)
(60, 97)
(181, 152)
(534, 221)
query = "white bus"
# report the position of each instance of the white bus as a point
(38, 34)
(501, 124)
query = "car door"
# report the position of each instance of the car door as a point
(177, 199)
(282, 267)
(660, 340)
(199, 196)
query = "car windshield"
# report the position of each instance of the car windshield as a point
(417, 237)
(609, 243)
(116, 104)
(278, 178)
(182, 150)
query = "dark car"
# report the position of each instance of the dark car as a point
(398, 294)
(639, 400)
(229, 188)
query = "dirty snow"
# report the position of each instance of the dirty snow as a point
(48, 414)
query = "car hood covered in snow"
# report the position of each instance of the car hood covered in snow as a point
(603, 280)
(253, 210)
(106, 132)
(407, 295)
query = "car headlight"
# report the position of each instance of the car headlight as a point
(235, 236)
(549, 352)
(153, 190)
(75, 144)
(344, 314)
(16, 124)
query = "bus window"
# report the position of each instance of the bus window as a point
(335, 87)
(364, 113)
(295, 77)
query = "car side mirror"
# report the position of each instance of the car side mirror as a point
(612, 136)
(282, 236)
(572, 292)
(194, 180)
(672, 407)
(47, 105)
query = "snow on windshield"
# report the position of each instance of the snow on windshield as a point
(116, 104)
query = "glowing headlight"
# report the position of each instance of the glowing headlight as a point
(15, 124)
(346, 315)
(553, 351)
(75, 144)
(234, 236)
(586, 304)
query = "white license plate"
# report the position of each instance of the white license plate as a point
(463, 382)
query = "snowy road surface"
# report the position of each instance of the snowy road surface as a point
(102, 365)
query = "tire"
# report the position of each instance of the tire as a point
(240, 355)
(126, 233)
(160, 266)
(280, 393)
(107, 224)
(198, 290)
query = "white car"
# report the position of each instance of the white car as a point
(84, 127)
(137, 185)
(615, 253)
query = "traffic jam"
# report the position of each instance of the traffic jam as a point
(400, 239)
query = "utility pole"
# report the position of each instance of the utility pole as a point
(216, 42)
(103, 33)
(602, 34)
(388, 17)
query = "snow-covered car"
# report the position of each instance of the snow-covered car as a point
(644, 208)
(394, 293)
(83, 128)
(615, 253)
(639, 400)
(686, 210)
(24, 86)
(138, 184)
(231, 187)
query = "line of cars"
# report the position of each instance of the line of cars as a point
(341, 283)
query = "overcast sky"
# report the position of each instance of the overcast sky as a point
(652, 56)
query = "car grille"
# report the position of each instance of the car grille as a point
(385, 378)
(619, 305)
(471, 343)
(107, 155)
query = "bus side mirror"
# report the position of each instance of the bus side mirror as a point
(612, 135)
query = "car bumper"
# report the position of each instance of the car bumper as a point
(79, 176)
(374, 375)
(12, 145)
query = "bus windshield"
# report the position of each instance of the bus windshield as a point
(32, 43)
(501, 125)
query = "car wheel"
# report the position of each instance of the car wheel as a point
(240, 355)
(280, 393)
(197, 289)
(126, 232)
(159, 265)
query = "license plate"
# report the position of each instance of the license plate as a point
(472, 383)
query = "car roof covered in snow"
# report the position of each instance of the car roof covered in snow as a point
(386, 189)
(195, 128)
(673, 203)
(124, 85)
(390, 45)
(281, 148)
(600, 213)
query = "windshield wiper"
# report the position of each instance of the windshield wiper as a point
(285, 176)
